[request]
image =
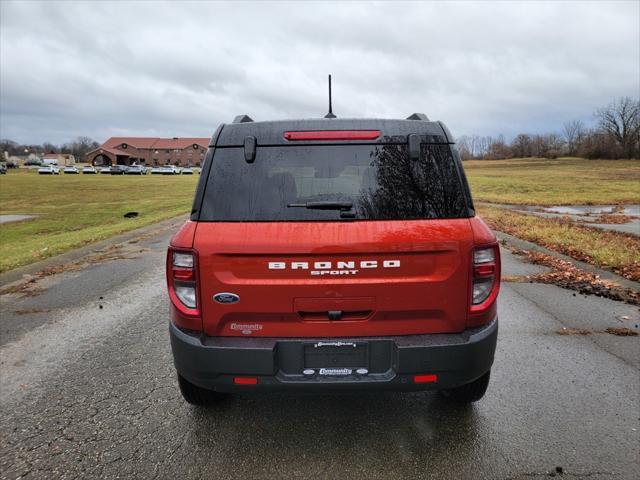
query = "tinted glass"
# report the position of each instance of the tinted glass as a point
(379, 181)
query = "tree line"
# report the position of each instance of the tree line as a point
(78, 148)
(616, 134)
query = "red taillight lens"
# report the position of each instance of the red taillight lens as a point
(486, 279)
(183, 273)
(182, 281)
(332, 135)
(483, 270)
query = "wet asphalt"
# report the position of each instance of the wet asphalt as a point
(88, 390)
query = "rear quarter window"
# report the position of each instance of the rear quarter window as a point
(380, 182)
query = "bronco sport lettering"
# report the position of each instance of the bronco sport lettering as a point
(328, 268)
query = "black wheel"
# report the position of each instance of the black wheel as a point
(469, 393)
(199, 396)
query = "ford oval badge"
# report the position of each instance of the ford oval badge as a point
(226, 297)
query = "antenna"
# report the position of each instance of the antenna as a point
(330, 114)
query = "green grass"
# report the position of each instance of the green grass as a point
(616, 251)
(78, 209)
(563, 181)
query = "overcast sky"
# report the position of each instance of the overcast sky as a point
(178, 69)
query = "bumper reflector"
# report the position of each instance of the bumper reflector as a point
(245, 380)
(425, 378)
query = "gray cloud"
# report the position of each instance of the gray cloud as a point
(162, 68)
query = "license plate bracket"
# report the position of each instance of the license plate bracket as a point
(336, 355)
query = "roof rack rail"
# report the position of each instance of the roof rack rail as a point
(418, 116)
(242, 119)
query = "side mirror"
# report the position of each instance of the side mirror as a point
(250, 149)
(414, 146)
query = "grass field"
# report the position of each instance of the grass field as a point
(611, 250)
(78, 209)
(564, 181)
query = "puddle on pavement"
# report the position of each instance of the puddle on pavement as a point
(583, 209)
(616, 218)
(593, 209)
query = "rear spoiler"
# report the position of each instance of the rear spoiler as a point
(272, 133)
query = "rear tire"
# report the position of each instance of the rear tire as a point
(199, 396)
(469, 393)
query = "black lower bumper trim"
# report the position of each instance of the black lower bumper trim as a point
(278, 364)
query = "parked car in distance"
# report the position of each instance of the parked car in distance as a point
(89, 169)
(119, 169)
(333, 255)
(156, 170)
(187, 171)
(70, 169)
(170, 170)
(49, 170)
(136, 170)
(106, 169)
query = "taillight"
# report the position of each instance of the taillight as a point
(486, 277)
(183, 288)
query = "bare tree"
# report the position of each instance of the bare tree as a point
(49, 147)
(463, 147)
(621, 120)
(521, 145)
(573, 132)
(553, 144)
(80, 146)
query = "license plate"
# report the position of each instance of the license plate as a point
(336, 355)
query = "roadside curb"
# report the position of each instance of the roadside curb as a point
(17, 274)
(604, 274)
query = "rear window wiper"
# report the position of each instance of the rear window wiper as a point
(342, 206)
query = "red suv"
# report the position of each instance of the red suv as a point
(333, 254)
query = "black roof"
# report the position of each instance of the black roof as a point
(272, 132)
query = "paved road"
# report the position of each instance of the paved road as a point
(89, 392)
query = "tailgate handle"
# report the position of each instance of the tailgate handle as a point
(334, 315)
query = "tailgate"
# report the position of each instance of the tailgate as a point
(334, 279)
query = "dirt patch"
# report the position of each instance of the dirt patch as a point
(29, 287)
(622, 331)
(619, 331)
(515, 278)
(566, 275)
(611, 219)
(573, 331)
(31, 311)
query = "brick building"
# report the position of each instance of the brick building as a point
(149, 151)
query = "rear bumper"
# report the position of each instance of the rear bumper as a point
(213, 362)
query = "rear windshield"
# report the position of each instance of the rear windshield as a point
(367, 182)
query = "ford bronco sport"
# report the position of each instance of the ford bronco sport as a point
(333, 254)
